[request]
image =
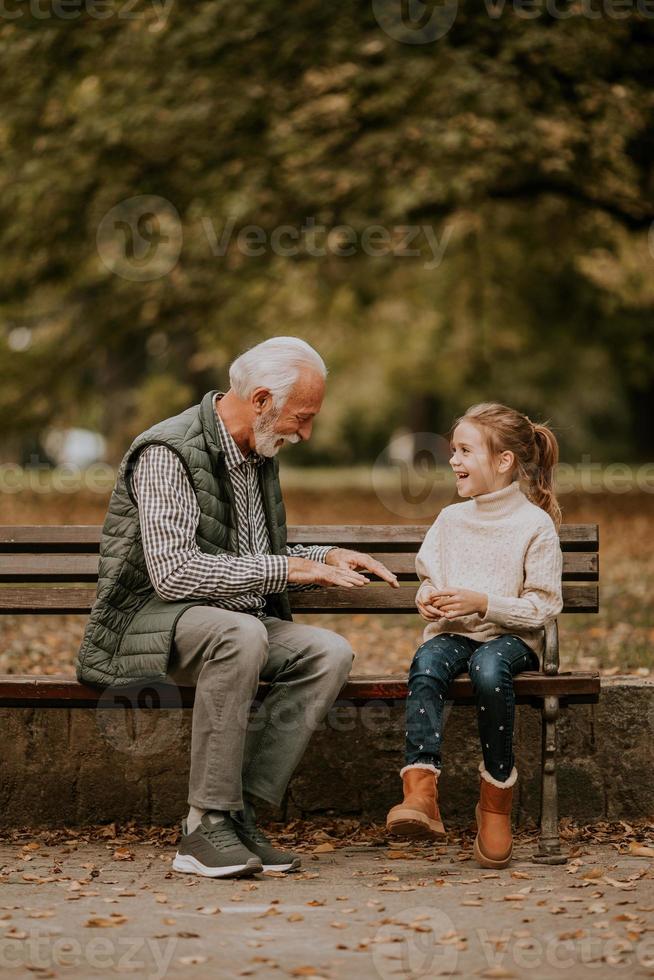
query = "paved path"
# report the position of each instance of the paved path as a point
(102, 909)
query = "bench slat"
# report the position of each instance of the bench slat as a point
(66, 692)
(577, 566)
(380, 598)
(409, 537)
(375, 597)
(377, 537)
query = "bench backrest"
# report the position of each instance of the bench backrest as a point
(54, 569)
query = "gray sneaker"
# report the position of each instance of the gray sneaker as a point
(214, 850)
(256, 841)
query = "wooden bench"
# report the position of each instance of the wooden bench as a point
(54, 569)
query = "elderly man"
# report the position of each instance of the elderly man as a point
(192, 589)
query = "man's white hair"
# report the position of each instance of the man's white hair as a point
(275, 364)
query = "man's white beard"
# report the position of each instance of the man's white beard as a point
(265, 437)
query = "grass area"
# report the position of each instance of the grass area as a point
(619, 639)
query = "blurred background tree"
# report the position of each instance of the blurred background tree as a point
(525, 145)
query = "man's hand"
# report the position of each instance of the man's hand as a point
(454, 603)
(357, 560)
(303, 571)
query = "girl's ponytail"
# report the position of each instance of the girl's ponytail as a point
(541, 489)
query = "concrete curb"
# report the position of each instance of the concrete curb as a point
(83, 766)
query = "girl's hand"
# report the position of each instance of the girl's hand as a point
(454, 603)
(425, 608)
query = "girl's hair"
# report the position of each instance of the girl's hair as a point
(534, 446)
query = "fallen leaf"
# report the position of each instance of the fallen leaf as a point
(624, 885)
(97, 922)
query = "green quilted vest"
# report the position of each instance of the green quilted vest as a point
(130, 631)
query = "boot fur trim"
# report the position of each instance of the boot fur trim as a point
(496, 782)
(421, 765)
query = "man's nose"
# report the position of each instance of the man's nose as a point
(304, 431)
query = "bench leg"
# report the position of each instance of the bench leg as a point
(549, 844)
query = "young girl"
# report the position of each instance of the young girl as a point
(490, 573)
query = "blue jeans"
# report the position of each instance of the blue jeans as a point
(491, 666)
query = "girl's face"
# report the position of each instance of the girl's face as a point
(477, 470)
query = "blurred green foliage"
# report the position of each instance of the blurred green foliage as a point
(525, 145)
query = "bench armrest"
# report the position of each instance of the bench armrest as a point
(551, 652)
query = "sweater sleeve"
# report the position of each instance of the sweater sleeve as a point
(540, 599)
(429, 563)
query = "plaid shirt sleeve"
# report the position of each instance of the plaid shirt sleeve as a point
(169, 515)
(313, 552)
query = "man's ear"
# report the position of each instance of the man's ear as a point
(261, 399)
(507, 462)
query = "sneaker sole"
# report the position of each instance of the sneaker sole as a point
(293, 866)
(190, 865)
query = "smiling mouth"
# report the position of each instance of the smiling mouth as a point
(462, 476)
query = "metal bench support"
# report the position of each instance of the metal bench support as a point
(549, 844)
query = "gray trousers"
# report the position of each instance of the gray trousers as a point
(224, 654)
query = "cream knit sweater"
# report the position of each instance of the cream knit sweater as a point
(503, 545)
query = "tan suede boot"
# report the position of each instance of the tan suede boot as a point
(493, 845)
(418, 814)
